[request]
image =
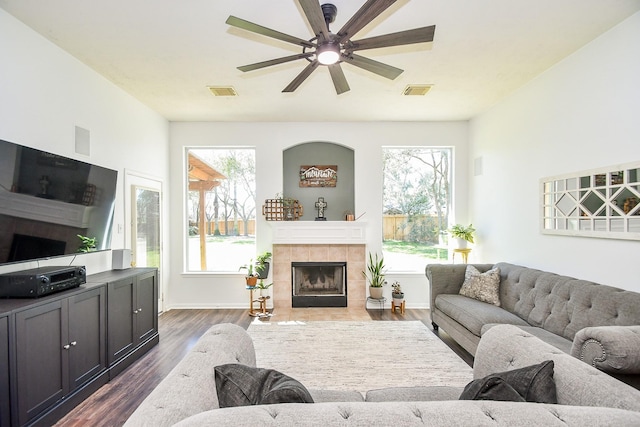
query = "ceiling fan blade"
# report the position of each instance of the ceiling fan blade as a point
(315, 16)
(276, 61)
(367, 13)
(301, 77)
(339, 80)
(376, 67)
(417, 35)
(259, 29)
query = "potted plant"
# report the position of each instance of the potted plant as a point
(396, 293)
(252, 276)
(462, 234)
(88, 244)
(262, 265)
(375, 276)
(264, 289)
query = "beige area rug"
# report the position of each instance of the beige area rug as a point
(361, 356)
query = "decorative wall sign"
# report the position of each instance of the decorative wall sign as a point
(595, 203)
(318, 176)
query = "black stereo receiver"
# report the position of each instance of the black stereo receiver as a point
(41, 281)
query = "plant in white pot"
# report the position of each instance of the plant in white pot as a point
(462, 234)
(396, 293)
(264, 289)
(375, 276)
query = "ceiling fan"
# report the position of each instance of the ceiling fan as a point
(330, 49)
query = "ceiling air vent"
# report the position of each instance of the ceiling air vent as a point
(222, 90)
(416, 89)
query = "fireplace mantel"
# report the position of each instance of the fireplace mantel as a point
(319, 232)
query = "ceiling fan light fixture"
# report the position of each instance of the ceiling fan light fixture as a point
(328, 53)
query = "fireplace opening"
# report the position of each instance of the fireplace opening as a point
(319, 284)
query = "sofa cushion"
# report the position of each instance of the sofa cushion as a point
(324, 395)
(413, 394)
(532, 383)
(241, 385)
(482, 286)
(473, 314)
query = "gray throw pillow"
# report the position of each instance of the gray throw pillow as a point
(531, 384)
(241, 385)
(482, 286)
(491, 388)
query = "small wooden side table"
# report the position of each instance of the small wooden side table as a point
(262, 311)
(262, 304)
(252, 311)
(394, 306)
(463, 252)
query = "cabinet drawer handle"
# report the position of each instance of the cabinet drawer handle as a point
(66, 347)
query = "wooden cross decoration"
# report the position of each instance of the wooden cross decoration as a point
(320, 206)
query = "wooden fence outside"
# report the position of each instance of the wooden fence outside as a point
(251, 227)
(398, 227)
(394, 227)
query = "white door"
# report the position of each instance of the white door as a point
(144, 224)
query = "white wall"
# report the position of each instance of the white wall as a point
(45, 93)
(581, 114)
(270, 139)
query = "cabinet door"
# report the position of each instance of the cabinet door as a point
(147, 306)
(5, 416)
(42, 363)
(87, 332)
(121, 326)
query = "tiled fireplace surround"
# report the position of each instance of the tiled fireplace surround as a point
(284, 255)
(330, 241)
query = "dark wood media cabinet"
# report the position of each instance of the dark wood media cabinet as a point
(57, 350)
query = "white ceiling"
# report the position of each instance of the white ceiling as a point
(166, 52)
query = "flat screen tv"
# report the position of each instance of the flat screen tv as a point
(47, 201)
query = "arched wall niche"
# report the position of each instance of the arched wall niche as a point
(340, 199)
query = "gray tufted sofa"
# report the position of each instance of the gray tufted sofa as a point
(596, 323)
(586, 396)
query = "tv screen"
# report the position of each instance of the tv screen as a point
(47, 201)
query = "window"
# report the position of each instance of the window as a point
(221, 209)
(416, 205)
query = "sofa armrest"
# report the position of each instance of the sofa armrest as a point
(448, 278)
(612, 349)
(506, 347)
(190, 387)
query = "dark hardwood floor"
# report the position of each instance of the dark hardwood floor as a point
(179, 330)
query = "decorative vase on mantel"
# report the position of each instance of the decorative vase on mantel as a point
(375, 292)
